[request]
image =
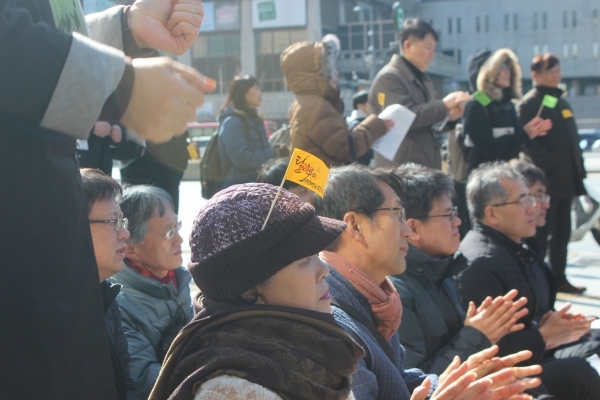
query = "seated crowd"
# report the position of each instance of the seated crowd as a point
(370, 294)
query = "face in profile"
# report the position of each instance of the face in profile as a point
(299, 285)
(516, 216)
(303, 193)
(538, 190)
(503, 79)
(420, 52)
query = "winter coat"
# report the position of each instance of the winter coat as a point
(432, 329)
(317, 124)
(399, 85)
(495, 131)
(243, 144)
(557, 153)
(54, 345)
(153, 313)
(118, 341)
(498, 265)
(386, 379)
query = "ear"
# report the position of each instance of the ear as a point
(131, 251)
(406, 46)
(534, 75)
(491, 217)
(415, 227)
(355, 225)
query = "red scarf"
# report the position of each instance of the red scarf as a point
(385, 300)
(166, 280)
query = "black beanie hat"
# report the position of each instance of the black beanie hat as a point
(230, 253)
(474, 63)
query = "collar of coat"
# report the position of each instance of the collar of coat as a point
(421, 264)
(398, 63)
(489, 71)
(521, 252)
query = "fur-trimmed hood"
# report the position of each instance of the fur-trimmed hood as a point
(490, 70)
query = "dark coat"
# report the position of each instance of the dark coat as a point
(118, 341)
(557, 153)
(498, 265)
(432, 329)
(400, 86)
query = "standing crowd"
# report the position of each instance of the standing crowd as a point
(401, 282)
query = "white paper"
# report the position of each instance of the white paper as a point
(388, 144)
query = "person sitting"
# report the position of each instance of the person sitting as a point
(373, 246)
(504, 214)
(155, 300)
(273, 172)
(109, 233)
(434, 327)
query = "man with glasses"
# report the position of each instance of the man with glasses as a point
(559, 156)
(504, 214)
(434, 327)
(155, 300)
(109, 233)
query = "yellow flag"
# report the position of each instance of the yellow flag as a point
(381, 99)
(308, 171)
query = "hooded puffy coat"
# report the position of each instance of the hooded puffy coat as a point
(317, 126)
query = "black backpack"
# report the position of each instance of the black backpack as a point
(212, 175)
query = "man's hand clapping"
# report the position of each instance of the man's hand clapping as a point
(560, 327)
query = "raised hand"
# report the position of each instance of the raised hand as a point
(168, 25)
(455, 98)
(537, 127)
(101, 129)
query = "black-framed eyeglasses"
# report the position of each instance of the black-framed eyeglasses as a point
(119, 223)
(401, 210)
(542, 198)
(453, 214)
(173, 231)
(526, 201)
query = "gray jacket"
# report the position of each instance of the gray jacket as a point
(432, 329)
(153, 313)
(400, 86)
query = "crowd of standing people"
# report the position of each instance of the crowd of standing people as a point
(372, 291)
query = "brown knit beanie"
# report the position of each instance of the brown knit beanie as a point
(230, 253)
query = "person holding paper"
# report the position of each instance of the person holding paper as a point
(403, 81)
(317, 123)
(559, 156)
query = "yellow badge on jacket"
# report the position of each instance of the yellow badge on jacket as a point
(381, 99)
(567, 113)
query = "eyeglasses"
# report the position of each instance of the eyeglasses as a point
(526, 201)
(505, 67)
(173, 231)
(542, 198)
(119, 222)
(453, 214)
(402, 211)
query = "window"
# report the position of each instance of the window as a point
(449, 25)
(545, 49)
(459, 55)
(458, 25)
(565, 51)
(269, 45)
(574, 18)
(477, 24)
(515, 22)
(486, 23)
(595, 49)
(544, 20)
(506, 23)
(565, 19)
(535, 21)
(594, 17)
(536, 50)
(574, 51)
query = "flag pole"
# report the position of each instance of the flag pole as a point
(273, 204)
(540, 110)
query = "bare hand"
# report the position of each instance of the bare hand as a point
(498, 317)
(168, 25)
(116, 134)
(101, 129)
(456, 112)
(455, 98)
(557, 327)
(455, 384)
(537, 127)
(164, 98)
(389, 124)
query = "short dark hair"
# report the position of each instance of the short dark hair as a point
(544, 62)
(98, 186)
(360, 98)
(530, 172)
(416, 27)
(419, 187)
(273, 172)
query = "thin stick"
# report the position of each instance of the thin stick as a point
(540, 110)
(273, 204)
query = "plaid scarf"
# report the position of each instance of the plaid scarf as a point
(298, 354)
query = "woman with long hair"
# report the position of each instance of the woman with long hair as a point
(243, 144)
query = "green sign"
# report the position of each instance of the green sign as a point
(549, 101)
(398, 15)
(482, 98)
(266, 11)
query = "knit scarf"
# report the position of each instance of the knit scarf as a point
(298, 354)
(384, 300)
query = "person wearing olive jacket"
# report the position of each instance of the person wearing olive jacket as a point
(559, 156)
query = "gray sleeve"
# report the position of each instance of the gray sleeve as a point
(105, 27)
(92, 71)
